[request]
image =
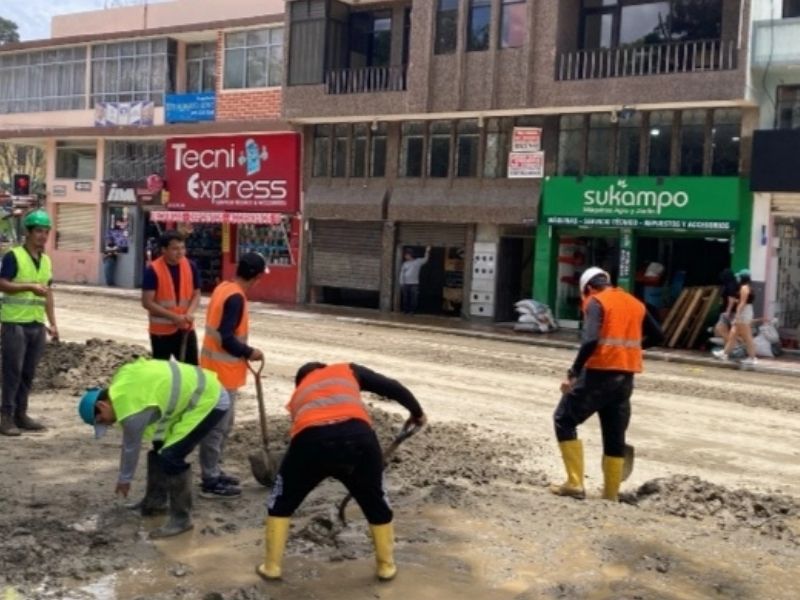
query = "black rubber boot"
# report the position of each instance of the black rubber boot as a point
(25, 423)
(180, 506)
(7, 426)
(155, 501)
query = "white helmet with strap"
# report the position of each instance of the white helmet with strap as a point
(590, 274)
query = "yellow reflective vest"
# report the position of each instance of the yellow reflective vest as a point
(27, 307)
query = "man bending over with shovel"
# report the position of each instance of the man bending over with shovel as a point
(332, 436)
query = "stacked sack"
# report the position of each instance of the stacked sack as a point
(534, 317)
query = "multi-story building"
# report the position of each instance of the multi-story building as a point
(410, 110)
(185, 92)
(775, 84)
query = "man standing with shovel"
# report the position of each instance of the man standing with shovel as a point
(225, 352)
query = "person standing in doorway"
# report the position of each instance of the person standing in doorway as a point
(110, 253)
(26, 277)
(409, 280)
(171, 295)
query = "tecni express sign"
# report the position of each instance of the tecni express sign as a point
(239, 173)
(710, 203)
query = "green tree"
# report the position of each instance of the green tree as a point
(9, 32)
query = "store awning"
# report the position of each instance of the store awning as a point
(239, 218)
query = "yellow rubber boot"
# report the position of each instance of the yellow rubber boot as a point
(612, 476)
(572, 455)
(276, 532)
(383, 538)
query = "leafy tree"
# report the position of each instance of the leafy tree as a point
(8, 32)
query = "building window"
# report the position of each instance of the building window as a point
(322, 149)
(76, 160)
(791, 8)
(693, 137)
(201, 67)
(446, 27)
(512, 23)
(378, 154)
(787, 112)
(412, 145)
(660, 142)
(43, 81)
(370, 39)
(133, 71)
(480, 19)
(629, 144)
(600, 142)
(254, 59)
(467, 144)
(439, 150)
(132, 161)
(359, 158)
(570, 144)
(340, 138)
(725, 136)
(498, 136)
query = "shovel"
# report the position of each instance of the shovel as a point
(627, 466)
(408, 430)
(264, 465)
(184, 344)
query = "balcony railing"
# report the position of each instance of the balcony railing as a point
(651, 59)
(367, 79)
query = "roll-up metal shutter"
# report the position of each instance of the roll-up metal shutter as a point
(346, 255)
(75, 227)
(788, 204)
(432, 234)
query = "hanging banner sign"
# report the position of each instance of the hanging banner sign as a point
(526, 139)
(526, 165)
(187, 216)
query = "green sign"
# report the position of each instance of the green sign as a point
(708, 203)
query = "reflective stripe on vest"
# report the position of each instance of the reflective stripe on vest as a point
(620, 342)
(174, 396)
(26, 307)
(165, 295)
(231, 370)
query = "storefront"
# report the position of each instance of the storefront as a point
(655, 236)
(232, 195)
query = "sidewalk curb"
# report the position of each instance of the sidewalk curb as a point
(532, 340)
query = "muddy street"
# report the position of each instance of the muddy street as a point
(711, 509)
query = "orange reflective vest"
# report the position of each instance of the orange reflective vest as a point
(165, 295)
(326, 396)
(230, 370)
(620, 345)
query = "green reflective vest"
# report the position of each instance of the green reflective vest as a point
(26, 307)
(184, 395)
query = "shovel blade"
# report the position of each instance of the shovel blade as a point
(627, 466)
(265, 467)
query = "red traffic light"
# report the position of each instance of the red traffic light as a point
(22, 185)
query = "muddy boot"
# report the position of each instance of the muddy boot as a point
(7, 426)
(383, 539)
(572, 455)
(612, 477)
(155, 496)
(180, 506)
(25, 423)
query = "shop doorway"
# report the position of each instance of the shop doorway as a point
(204, 247)
(441, 279)
(514, 275)
(576, 253)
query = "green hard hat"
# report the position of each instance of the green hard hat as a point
(37, 218)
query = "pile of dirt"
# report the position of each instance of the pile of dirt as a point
(76, 367)
(772, 515)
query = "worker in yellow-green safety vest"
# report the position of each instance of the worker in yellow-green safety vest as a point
(26, 275)
(173, 404)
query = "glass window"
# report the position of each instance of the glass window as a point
(791, 8)
(381, 40)
(254, 59)
(322, 146)
(133, 161)
(660, 142)
(600, 144)
(201, 67)
(43, 81)
(644, 23)
(446, 27)
(629, 137)
(570, 144)
(597, 30)
(76, 160)
(480, 19)
(359, 158)
(693, 137)
(273, 242)
(725, 137)
(130, 72)
(513, 24)
(467, 142)
(378, 156)
(439, 151)
(341, 135)
(787, 113)
(696, 20)
(498, 142)
(411, 149)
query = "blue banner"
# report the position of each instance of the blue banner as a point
(191, 108)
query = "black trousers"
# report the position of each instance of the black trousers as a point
(348, 452)
(172, 459)
(166, 346)
(409, 297)
(22, 349)
(606, 393)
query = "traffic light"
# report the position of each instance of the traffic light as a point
(22, 185)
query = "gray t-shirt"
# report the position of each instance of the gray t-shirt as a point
(409, 271)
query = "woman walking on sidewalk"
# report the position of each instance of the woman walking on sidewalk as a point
(742, 322)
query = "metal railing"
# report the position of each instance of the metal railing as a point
(367, 79)
(651, 59)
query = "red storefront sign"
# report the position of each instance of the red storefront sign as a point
(235, 173)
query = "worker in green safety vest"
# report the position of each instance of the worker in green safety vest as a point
(172, 404)
(26, 276)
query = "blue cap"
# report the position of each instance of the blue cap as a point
(86, 411)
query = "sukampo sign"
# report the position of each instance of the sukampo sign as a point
(237, 173)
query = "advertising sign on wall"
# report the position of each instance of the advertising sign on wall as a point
(525, 165)
(140, 114)
(235, 173)
(190, 108)
(526, 139)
